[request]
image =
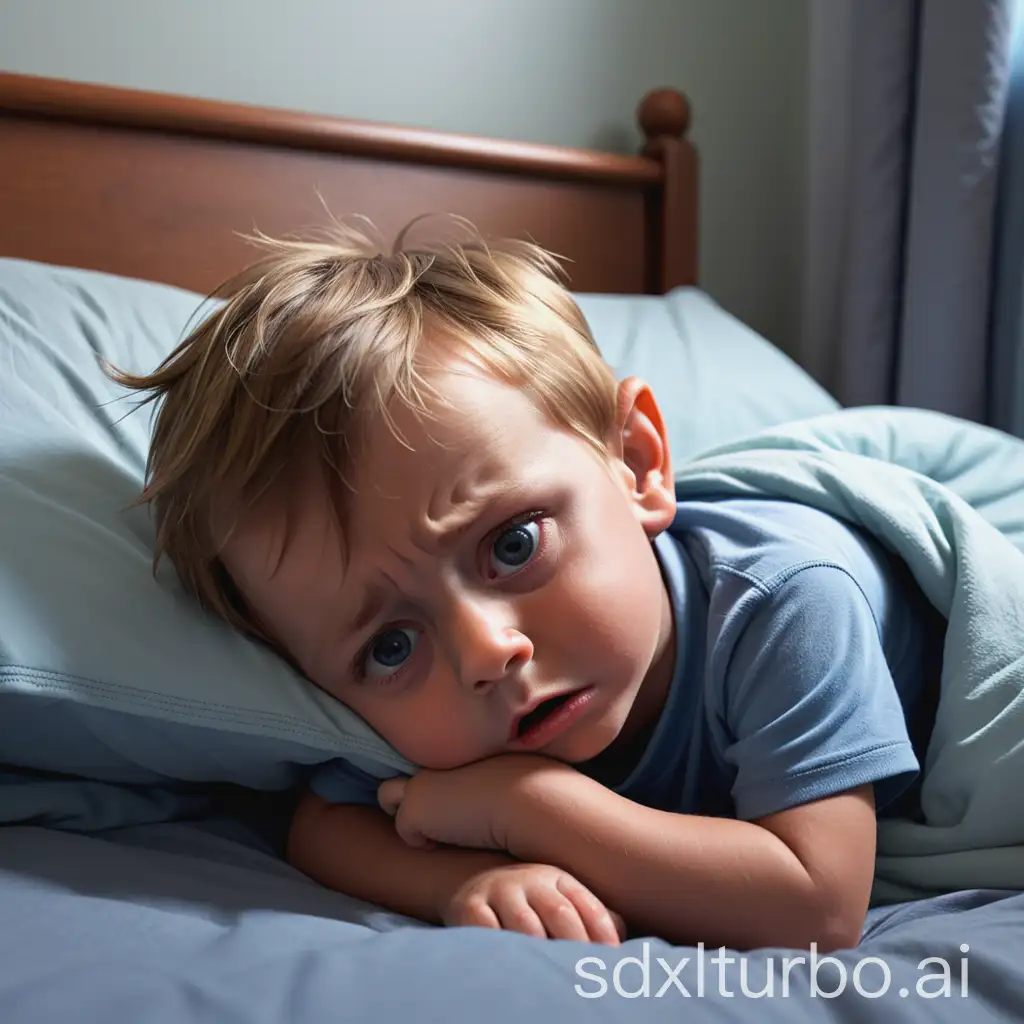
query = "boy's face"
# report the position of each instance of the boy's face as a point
(497, 568)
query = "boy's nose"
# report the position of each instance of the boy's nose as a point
(487, 644)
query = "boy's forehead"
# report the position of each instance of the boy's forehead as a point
(403, 467)
(469, 416)
(412, 477)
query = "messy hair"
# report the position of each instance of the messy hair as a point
(313, 343)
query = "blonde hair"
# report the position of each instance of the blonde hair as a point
(314, 341)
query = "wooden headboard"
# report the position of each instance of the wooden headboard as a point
(160, 187)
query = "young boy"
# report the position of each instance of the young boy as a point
(413, 475)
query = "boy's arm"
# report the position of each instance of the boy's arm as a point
(798, 877)
(794, 878)
(353, 849)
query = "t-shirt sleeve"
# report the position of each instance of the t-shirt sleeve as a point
(341, 782)
(810, 706)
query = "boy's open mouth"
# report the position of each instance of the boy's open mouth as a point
(540, 712)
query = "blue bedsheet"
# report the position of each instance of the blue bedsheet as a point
(202, 923)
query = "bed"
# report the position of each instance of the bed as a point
(149, 759)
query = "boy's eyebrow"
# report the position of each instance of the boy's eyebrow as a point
(375, 597)
(370, 608)
(441, 540)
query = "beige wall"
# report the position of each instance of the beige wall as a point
(559, 71)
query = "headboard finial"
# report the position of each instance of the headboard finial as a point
(664, 112)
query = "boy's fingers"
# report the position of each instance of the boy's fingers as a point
(562, 918)
(602, 927)
(413, 837)
(480, 914)
(599, 921)
(390, 794)
(515, 913)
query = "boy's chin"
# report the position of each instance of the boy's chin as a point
(598, 739)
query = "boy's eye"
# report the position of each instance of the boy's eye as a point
(390, 651)
(514, 548)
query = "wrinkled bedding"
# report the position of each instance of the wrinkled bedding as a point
(202, 922)
(947, 496)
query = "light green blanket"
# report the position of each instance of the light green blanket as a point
(948, 496)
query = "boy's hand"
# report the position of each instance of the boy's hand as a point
(465, 806)
(535, 899)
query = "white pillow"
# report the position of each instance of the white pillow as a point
(109, 673)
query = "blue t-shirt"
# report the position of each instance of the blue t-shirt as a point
(807, 663)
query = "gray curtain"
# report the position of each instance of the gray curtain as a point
(915, 244)
(1007, 325)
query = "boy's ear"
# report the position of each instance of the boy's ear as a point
(641, 442)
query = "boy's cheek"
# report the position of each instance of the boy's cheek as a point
(429, 735)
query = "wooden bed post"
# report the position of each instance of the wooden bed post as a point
(664, 117)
